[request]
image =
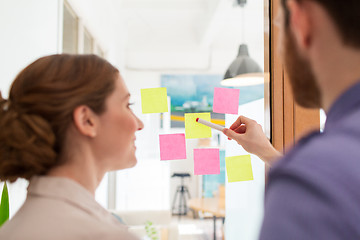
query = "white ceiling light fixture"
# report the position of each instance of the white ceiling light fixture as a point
(243, 71)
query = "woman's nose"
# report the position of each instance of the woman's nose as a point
(140, 123)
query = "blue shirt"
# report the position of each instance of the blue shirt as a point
(314, 191)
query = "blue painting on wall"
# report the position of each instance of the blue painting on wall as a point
(194, 93)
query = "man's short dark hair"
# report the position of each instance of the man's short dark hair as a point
(345, 14)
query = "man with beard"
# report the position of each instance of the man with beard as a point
(313, 191)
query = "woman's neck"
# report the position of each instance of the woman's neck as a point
(83, 171)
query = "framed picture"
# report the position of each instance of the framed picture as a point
(191, 94)
(195, 93)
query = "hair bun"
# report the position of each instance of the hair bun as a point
(26, 144)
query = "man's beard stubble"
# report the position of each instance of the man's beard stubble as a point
(304, 86)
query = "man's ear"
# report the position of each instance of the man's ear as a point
(300, 23)
(85, 121)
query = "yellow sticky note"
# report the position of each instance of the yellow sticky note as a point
(239, 168)
(154, 100)
(194, 129)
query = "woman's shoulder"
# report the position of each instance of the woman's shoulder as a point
(59, 209)
(41, 218)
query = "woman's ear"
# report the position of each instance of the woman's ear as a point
(85, 121)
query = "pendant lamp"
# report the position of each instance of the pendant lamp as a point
(243, 71)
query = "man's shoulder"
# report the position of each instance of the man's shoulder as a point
(316, 184)
(333, 153)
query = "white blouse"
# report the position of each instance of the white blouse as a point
(61, 209)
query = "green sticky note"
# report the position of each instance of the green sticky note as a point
(194, 129)
(154, 100)
(239, 168)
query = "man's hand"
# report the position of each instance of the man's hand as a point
(249, 134)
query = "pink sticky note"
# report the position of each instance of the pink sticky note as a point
(226, 100)
(172, 146)
(206, 161)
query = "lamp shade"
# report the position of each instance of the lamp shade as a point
(243, 71)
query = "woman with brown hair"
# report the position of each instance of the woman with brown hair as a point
(66, 123)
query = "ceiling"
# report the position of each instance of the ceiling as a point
(204, 23)
(176, 34)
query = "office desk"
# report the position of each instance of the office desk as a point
(209, 205)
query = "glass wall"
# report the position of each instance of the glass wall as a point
(190, 66)
(245, 200)
(186, 47)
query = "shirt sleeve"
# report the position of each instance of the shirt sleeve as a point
(297, 208)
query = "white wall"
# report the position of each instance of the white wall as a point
(29, 30)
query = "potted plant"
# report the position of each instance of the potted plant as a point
(151, 233)
(4, 205)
